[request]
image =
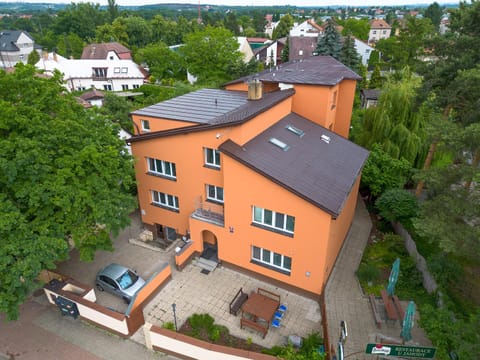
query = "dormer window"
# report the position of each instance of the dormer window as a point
(295, 130)
(99, 72)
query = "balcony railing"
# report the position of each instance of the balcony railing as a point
(210, 212)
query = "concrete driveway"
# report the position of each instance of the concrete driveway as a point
(142, 260)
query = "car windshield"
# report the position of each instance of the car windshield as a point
(127, 279)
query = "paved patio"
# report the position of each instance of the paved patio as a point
(194, 292)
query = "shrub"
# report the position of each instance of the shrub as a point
(397, 205)
(168, 325)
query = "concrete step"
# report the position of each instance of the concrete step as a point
(206, 264)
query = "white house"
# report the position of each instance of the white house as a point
(245, 48)
(363, 50)
(103, 74)
(15, 46)
(307, 28)
(379, 29)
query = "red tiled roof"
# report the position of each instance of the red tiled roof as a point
(379, 24)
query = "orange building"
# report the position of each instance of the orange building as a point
(259, 176)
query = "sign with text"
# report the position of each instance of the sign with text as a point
(401, 350)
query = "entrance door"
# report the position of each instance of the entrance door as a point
(159, 234)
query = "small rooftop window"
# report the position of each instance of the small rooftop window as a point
(326, 138)
(279, 143)
(295, 130)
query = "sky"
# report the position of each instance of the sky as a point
(315, 3)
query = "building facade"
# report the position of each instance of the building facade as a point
(260, 173)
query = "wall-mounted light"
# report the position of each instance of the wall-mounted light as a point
(307, 274)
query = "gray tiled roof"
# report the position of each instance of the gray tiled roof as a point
(213, 106)
(8, 38)
(319, 172)
(315, 70)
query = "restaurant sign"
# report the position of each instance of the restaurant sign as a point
(401, 350)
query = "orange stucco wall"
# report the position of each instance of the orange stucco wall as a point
(240, 86)
(339, 229)
(157, 124)
(344, 107)
(245, 188)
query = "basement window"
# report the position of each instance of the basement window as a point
(279, 144)
(295, 130)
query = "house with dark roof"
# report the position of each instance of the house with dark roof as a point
(15, 46)
(259, 176)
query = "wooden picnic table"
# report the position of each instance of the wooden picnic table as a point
(259, 310)
(389, 306)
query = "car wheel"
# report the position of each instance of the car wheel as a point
(99, 287)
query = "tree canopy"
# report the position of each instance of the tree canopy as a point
(330, 43)
(211, 54)
(65, 178)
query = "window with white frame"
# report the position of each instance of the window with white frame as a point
(136, 86)
(161, 168)
(272, 259)
(124, 87)
(215, 193)
(116, 70)
(273, 219)
(107, 87)
(124, 70)
(165, 200)
(212, 157)
(145, 125)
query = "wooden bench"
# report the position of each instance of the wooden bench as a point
(399, 308)
(238, 301)
(253, 325)
(389, 306)
(376, 313)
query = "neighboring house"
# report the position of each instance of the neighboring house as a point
(256, 42)
(301, 47)
(245, 48)
(104, 74)
(369, 97)
(269, 27)
(363, 50)
(379, 29)
(444, 25)
(307, 28)
(15, 46)
(262, 179)
(106, 51)
(271, 53)
(93, 97)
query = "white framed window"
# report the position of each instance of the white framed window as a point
(124, 70)
(107, 87)
(273, 219)
(165, 200)
(100, 72)
(146, 125)
(272, 259)
(124, 87)
(116, 70)
(212, 157)
(215, 193)
(162, 168)
(136, 86)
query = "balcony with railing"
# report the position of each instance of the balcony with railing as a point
(209, 212)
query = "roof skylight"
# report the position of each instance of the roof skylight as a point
(295, 130)
(279, 144)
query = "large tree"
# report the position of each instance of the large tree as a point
(348, 55)
(283, 28)
(330, 43)
(163, 63)
(396, 122)
(211, 54)
(65, 178)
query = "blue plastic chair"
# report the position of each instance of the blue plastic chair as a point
(278, 315)
(276, 323)
(283, 308)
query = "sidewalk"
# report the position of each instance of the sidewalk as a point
(346, 301)
(42, 332)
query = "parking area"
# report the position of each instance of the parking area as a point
(193, 291)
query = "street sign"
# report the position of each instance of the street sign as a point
(401, 350)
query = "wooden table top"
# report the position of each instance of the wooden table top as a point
(260, 306)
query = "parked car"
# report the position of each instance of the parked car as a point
(120, 281)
